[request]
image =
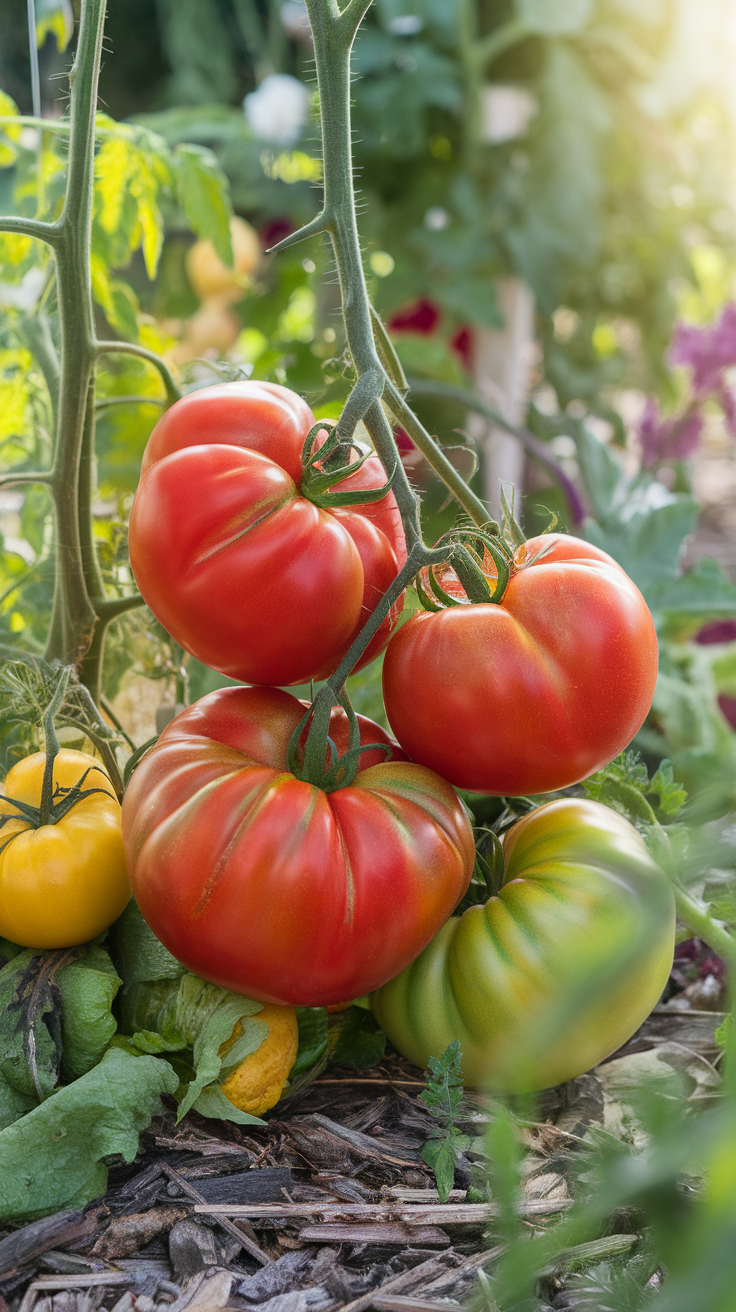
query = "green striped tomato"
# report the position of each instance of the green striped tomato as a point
(556, 971)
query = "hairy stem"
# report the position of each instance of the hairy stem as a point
(697, 918)
(73, 615)
(52, 746)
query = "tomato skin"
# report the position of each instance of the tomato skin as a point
(555, 972)
(533, 694)
(61, 884)
(246, 574)
(270, 887)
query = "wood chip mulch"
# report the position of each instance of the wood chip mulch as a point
(327, 1209)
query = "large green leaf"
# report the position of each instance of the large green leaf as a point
(54, 1156)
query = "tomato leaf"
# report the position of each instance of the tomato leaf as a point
(30, 1022)
(361, 1042)
(53, 1157)
(207, 1016)
(212, 1102)
(441, 1155)
(88, 987)
(203, 193)
(140, 955)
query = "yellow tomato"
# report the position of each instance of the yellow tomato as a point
(64, 883)
(257, 1083)
(206, 271)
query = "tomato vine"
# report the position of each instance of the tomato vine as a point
(81, 610)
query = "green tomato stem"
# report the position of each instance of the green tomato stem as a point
(52, 746)
(696, 916)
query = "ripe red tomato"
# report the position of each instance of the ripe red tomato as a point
(271, 887)
(247, 575)
(534, 693)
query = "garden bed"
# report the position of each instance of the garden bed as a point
(330, 1207)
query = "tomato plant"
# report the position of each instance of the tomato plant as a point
(268, 885)
(63, 877)
(533, 693)
(560, 966)
(227, 553)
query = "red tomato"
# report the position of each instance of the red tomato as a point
(247, 575)
(267, 885)
(532, 694)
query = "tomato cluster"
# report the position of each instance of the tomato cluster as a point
(310, 875)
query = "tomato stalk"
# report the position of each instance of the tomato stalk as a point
(80, 610)
(380, 383)
(380, 379)
(51, 741)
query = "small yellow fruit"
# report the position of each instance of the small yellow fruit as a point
(256, 1085)
(206, 271)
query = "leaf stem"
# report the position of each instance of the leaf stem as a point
(173, 391)
(50, 233)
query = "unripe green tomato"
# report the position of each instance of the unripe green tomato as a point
(555, 972)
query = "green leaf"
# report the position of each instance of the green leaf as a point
(30, 1022)
(551, 18)
(148, 1041)
(444, 1092)
(140, 956)
(13, 1104)
(57, 17)
(602, 472)
(440, 1154)
(88, 987)
(213, 1103)
(313, 1038)
(53, 1157)
(9, 135)
(702, 590)
(361, 1042)
(203, 192)
(207, 1016)
(625, 786)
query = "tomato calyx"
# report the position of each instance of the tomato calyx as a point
(331, 464)
(319, 764)
(56, 801)
(470, 553)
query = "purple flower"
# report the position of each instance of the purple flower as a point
(717, 631)
(707, 351)
(727, 400)
(663, 439)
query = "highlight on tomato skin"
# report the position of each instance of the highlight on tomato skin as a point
(534, 693)
(224, 546)
(271, 887)
(557, 970)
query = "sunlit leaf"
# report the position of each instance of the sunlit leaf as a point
(8, 134)
(14, 391)
(56, 17)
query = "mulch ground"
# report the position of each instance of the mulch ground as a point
(329, 1208)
